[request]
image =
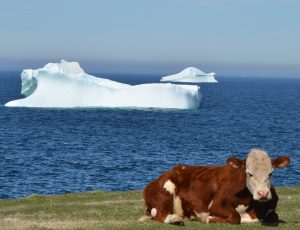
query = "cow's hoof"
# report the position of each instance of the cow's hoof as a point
(178, 223)
(271, 219)
(177, 220)
(174, 219)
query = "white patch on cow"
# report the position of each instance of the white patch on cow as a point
(177, 206)
(193, 218)
(153, 212)
(210, 204)
(202, 216)
(183, 167)
(168, 219)
(208, 219)
(170, 187)
(241, 208)
(172, 219)
(245, 217)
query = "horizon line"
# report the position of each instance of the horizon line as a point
(160, 67)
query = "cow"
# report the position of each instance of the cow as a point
(238, 192)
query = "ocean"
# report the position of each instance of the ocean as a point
(57, 151)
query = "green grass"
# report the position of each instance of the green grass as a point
(105, 210)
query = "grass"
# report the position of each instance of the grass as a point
(106, 210)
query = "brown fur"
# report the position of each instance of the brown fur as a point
(197, 186)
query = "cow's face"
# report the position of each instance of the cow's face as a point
(259, 168)
(258, 174)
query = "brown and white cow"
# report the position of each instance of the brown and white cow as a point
(239, 192)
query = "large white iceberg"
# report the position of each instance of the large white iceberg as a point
(66, 85)
(191, 74)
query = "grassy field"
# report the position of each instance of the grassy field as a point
(104, 210)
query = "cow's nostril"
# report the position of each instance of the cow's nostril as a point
(263, 194)
(259, 194)
(267, 193)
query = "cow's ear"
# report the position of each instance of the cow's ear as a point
(281, 162)
(235, 162)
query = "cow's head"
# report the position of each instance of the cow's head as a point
(259, 168)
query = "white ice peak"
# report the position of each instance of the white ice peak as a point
(66, 85)
(191, 74)
(69, 67)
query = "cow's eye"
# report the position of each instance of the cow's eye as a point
(270, 174)
(249, 174)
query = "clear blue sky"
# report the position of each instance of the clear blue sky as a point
(230, 37)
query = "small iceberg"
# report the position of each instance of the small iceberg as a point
(66, 85)
(191, 74)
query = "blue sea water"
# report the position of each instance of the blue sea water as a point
(54, 151)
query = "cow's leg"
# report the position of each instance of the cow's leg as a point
(223, 212)
(164, 210)
(232, 218)
(162, 205)
(247, 215)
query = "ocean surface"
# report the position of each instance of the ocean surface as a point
(56, 151)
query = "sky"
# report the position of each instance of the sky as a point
(229, 37)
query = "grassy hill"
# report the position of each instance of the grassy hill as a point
(120, 210)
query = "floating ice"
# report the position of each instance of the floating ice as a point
(191, 74)
(66, 85)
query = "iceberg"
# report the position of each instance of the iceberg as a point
(66, 85)
(191, 74)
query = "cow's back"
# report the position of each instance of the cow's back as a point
(199, 185)
(196, 186)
